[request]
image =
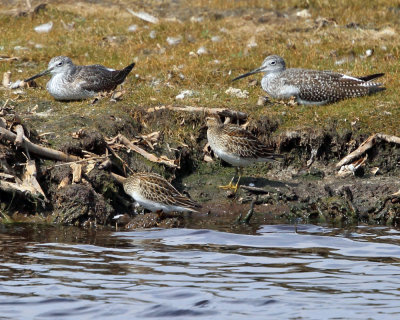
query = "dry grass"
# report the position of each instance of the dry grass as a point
(303, 42)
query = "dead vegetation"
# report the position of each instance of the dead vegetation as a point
(196, 47)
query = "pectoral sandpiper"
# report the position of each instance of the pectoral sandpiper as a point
(236, 146)
(156, 194)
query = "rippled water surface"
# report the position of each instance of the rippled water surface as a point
(281, 271)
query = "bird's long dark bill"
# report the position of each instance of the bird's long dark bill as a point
(248, 74)
(38, 75)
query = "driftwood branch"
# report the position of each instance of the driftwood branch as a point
(234, 115)
(38, 150)
(366, 145)
(149, 156)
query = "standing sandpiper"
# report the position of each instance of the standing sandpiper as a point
(155, 193)
(311, 87)
(71, 82)
(236, 146)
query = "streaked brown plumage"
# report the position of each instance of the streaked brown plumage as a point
(237, 146)
(155, 193)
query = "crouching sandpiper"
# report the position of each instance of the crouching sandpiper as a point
(156, 194)
(311, 87)
(71, 82)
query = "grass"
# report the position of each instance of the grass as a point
(100, 36)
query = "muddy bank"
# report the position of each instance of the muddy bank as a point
(305, 188)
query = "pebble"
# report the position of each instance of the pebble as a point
(44, 28)
(202, 50)
(242, 94)
(132, 28)
(262, 101)
(184, 94)
(172, 41)
(152, 34)
(303, 14)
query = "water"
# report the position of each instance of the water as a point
(278, 272)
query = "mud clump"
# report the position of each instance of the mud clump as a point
(78, 203)
(153, 220)
(89, 140)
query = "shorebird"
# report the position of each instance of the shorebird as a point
(311, 87)
(156, 194)
(236, 146)
(71, 82)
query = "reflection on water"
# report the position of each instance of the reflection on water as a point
(308, 272)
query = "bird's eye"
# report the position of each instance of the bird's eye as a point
(59, 64)
(273, 63)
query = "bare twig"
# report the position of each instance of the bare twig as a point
(118, 178)
(20, 135)
(366, 145)
(234, 115)
(77, 161)
(144, 153)
(30, 178)
(76, 172)
(125, 165)
(38, 150)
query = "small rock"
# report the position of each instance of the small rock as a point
(173, 41)
(152, 34)
(216, 39)
(262, 101)
(20, 48)
(303, 14)
(369, 52)
(252, 42)
(196, 19)
(190, 38)
(253, 83)
(132, 28)
(202, 50)
(242, 94)
(184, 94)
(44, 28)
(193, 54)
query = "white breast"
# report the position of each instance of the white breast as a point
(156, 206)
(276, 88)
(62, 90)
(233, 159)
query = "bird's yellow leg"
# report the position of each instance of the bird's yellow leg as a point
(232, 186)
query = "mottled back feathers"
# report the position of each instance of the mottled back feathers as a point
(153, 187)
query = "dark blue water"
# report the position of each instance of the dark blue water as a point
(281, 272)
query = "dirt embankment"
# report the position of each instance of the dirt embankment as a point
(304, 188)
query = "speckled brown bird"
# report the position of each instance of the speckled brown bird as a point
(311, 87)
(155, 193)
(237, 146)
(72, 82)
